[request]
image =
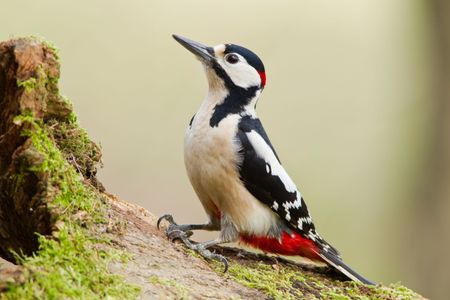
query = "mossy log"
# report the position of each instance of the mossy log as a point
(68, 238)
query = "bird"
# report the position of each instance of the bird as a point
(235, 171)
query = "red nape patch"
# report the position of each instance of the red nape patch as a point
(290, 244)
(262, 75)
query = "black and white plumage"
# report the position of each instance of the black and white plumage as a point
(235, 170)
(266, 179)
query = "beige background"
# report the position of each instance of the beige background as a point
(347, 105)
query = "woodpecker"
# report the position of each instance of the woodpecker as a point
(236, 172)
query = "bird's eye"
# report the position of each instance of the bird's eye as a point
(232, 58)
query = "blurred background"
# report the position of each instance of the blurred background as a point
(357, 104)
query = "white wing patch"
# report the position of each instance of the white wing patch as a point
(265, 152)
(274, 168)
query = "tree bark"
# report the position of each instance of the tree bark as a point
(29, 189)
(24, 196)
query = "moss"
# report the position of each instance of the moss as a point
(49, 45)
(73, 263)
(393, 291)
(277, 284)
(76, 147)
(72, 118)
(180, 291)
(28, 85)
(39, 80)
(291, 282)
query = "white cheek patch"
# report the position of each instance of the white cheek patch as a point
(241, 73)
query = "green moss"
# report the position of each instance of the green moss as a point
(72, 118)
(28, 85)
(290, 282)
(76, 147)
(274, 283)
(393, 291)
(38, 80)
(180, 291)
(50, 45)
(73, 263)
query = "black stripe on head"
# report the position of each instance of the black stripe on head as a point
(251, 58)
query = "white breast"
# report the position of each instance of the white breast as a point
(211, 159)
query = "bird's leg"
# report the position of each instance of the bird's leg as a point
(228, 234)
(175, 231)
(202, 249)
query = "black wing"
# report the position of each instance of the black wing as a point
(265, 178)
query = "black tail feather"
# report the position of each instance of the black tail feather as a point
(336, 262)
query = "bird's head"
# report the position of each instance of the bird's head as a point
(230, 65)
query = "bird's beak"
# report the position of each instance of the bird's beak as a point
(203, 52)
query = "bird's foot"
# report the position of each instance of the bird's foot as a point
(179, 232)
(174, 231)
(201, 248)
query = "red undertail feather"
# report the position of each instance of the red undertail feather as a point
(289, 244)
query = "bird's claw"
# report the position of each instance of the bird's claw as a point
(175, 229)
(166, 217)
(174, 232)
(223, 260)
(207, 254)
